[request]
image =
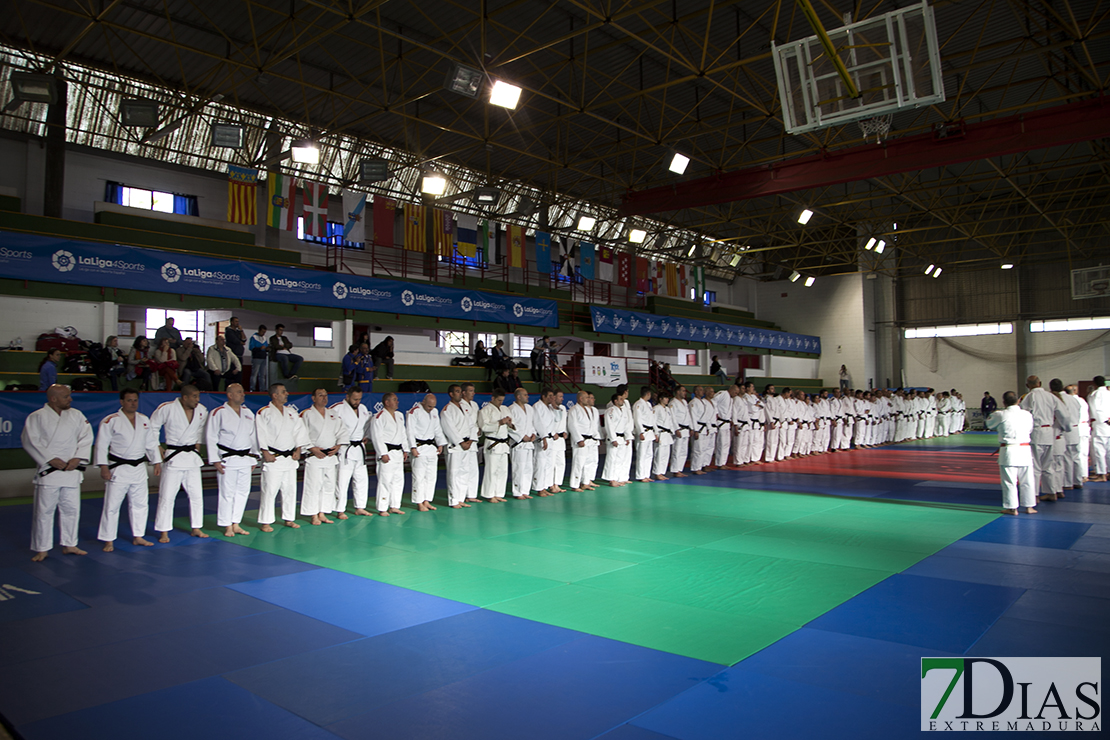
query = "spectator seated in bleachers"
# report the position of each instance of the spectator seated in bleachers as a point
(48, 368)
(164, 363)
(383, 355)
(138, 361)
(223, 364)
(191, 362)
(281, 351)
(111, 361)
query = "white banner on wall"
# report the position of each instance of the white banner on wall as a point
(605, 371)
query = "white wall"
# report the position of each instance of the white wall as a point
(1072, 364)
(935, 364)
(28, 317)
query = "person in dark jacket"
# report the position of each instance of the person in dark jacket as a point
(989, 405)
(383, 355)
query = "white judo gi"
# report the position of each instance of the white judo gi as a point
(497, 448)
(543, 456)
(1049, 421)
(231, 439)
(424, 431)
(352, 458)
(181, 462)
(48, 434)
(704, 416)
(664, 439)
(460, 424)
(524, 425)
(559, 446)
(683, 426)
(722, 405)
(618, 443)
(387, 431)
(125, 448)
(1015, 460)
(643, 432)
(281, 433)
(1098, 404)
(582, 427)
(326, 432)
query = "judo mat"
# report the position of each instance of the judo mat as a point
(750, 603)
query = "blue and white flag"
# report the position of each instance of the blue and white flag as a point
(354, 212)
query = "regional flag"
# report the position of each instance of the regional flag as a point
(643, 275)
(315, 208)
(242, 206)
(605, 264)
(384, 210)
(485, 230)
(672, 279)
(624, 269)
(543, 253)
(587, 260)
(415, 238)
(515, 253)
(467, 235)
(699, 284)
(281, 201)
(683, 288)
(443, 232)
(354, 213)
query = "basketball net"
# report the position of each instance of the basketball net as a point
(875, 128)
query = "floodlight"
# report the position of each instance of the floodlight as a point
(524, 207)
(870, 243)
(138, 113)
(305, 152)
(734, 261)
(678, 163)
(805, 216)
(486, 196)
(586, 223)
(794, 276)
(504, 94)
(693, 248)
(929, 269)
(1008, 266)
(810, 281)
(936, 273)
(637, 236)
(226, 135)
(373, 170)
(33, 88)
(464, 80)
(433, 184)
(880, 247)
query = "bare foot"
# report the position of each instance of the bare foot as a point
(324, 519)
(195, 532)
(473, 500)
(236, 529)
(432, 508)
(421, 506)
(524, 496)
(383, 513)
(315, 520)
(72, 550)
(544, 493)
(362, 512)
(395, 510)
(343, 515)
(465, 505)
(644, 480)
(38, 557)
(141, 541)
(681, 475)
(1031, 510)
(578, 490)
(230, 531)
(496, 500)
(292, 525)
(109, 547)
(699, 472)
(266, 528)
(1011, 512)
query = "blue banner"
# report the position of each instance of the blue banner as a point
(59, 260)
(635, 323)
(16, 406)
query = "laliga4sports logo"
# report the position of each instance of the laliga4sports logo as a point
(171, 273)
(518, 310)
(339, 290)
(1011, 694)
(407, 297)
(63, 261)
(466, 304)
(262, 282)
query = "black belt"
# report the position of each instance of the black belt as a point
(355, 443)
(48, 471)
(587, 436)
(649, 428)
(422, 442)
(235, 453)
(741, 423)
(498, 441)
(281, 453)
(177, 450)
(117, 461)
(684, 426)
(664, 429)
(389, 448)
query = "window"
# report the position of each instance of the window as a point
(151, 200)
(334, 235)
(454, 342)
(688, 357)
(189, 323)
(487, 339)
(321, 336)
(963, 330)
(1098, 324)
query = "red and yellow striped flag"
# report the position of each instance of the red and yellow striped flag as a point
(672, 279)
(415, 238)
(443, 232)
(242, 202)
(515, 251)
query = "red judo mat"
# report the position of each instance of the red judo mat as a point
(941, 464)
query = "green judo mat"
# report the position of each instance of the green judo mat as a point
(706, 572)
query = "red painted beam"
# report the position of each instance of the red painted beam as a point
(1057, 126)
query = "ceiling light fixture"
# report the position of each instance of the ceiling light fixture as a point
(810, 281)
(487, 196)
(32, 88)
(678, 164)
(693, 248)
(433, 184)
(504, 94)
(805, 216)
(870, 243)
(586, 223)
(929, 269)
(637, 236)
(880, 247)
(305, 151)
(464, 80)
(794, 276)
(373, 170)
(138, 113)
(734, 261)
(1008, 266)
(936, 272)
(226, 135)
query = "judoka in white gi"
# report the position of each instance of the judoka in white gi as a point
(559, 443)
(664, 436)
(352, 457)
(387, 432)
(281, 437)
(582, 428)
(722, 404)
(426, 441)
(618, 440)
(59, 439)
(125, 443)
(643, 430)
(183, 421)
(470, 485)
(1098, 405)
(1082, 427)
(494, 421)
(1049, 421)
(704, 416)
(522, 436)
(233, 449)
(460, 428)
(1015, 460)
(326, 435)
(543, 460)
(683, 429)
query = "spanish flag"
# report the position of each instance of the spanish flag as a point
(415, 237)
(515, 252)
(242, 205)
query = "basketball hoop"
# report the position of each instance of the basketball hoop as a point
(878, 127)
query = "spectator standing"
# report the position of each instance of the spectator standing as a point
(48, 368)
(168, 331)
(845, 378)
(988, 405)
(236, 338)
(259, 347)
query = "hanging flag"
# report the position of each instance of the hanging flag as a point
(281, 209)
(567, 258)
(659, 284)
(242, 207)
(384, 210)
(415, 238)
(354, 212)
(315, 208)
(672, 279)
(515, 253)
(643, 275)
(487, 231)
(624, 269)
(467, 235)
(683, 289)
(605, 264)
(543, 253)
(443, 233)
(699, 284)
(587, 260)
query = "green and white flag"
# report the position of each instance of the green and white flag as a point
(699, 283)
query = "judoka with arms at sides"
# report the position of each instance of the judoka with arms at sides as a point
(683, 426)
(426, 441)
(583, 437)
(326, 435)
(1015, 458)
(460, 431)
(522, 432)
(124, 444)
(59, 439)
(494, 421)
(183, 421)
(281, 437)
(352, 458)
(233, 448)
(387, 431)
